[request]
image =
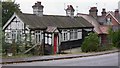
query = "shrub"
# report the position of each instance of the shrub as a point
(90, 43)
(5, 47)
(114, 37)
(105, 47)
(13, 48)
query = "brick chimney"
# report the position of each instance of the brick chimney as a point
(103, 12)
(93, 12)
(38, 9)
(70, 11)
(116, 13)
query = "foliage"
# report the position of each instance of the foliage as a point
(14, 48)
(105, 47)
(0, 27)
(90, 43)
(5, 48)
(8, 8)
(114, 37)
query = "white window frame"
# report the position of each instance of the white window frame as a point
(109, 21)
(64, 35)
(73, 34)
(38, 36)
(46, 38)
(79, 34)
(49, 39)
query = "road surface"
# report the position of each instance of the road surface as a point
(101, 60)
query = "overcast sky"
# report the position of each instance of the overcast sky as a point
(56, 7)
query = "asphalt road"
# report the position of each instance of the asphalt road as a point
(101, 60)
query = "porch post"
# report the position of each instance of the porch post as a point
(59, 41)
(43, 42)
(52, 43)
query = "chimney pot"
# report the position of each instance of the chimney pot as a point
(93, 12)
(103, 12)
(38, 9)
(117, 13)
(70, 11)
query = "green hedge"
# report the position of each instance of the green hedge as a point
(90, 43)
(114, 37)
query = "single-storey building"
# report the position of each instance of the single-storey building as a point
(54, 31)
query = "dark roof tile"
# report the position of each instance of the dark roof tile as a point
(35, 21)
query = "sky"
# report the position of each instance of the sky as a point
(56, 7)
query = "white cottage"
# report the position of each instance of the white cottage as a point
(56, 32)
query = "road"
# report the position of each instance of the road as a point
(101, 60)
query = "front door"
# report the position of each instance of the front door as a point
(55, 43)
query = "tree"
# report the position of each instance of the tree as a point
(114, 37)
(0, 28)
(91, 43)
(8, 8)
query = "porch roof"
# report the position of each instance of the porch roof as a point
(51, 29)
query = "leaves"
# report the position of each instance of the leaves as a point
(90, 43)
(114, 37)
(8, 8)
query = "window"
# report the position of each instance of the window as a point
(73, 34)
(14, 34)
(50, 39)
(38, 37)
(65, 35)
(19, 35)
(8, 35)
(46, 38)
(109, 21)
(79, 34)
(32, 36)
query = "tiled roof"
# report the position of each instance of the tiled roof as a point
(104, 29)
(97, 23)
(44, 21)
(92, 21)
(101, 19)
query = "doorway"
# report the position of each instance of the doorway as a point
(55, 43)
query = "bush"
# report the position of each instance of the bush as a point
(105, 47)
(90, 43)
(114, 37)
(5, 47)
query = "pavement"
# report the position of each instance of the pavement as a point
(72, 53)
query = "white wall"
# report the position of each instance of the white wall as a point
(13, 29)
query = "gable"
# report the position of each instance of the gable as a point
(14, 23)
(114, 20)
